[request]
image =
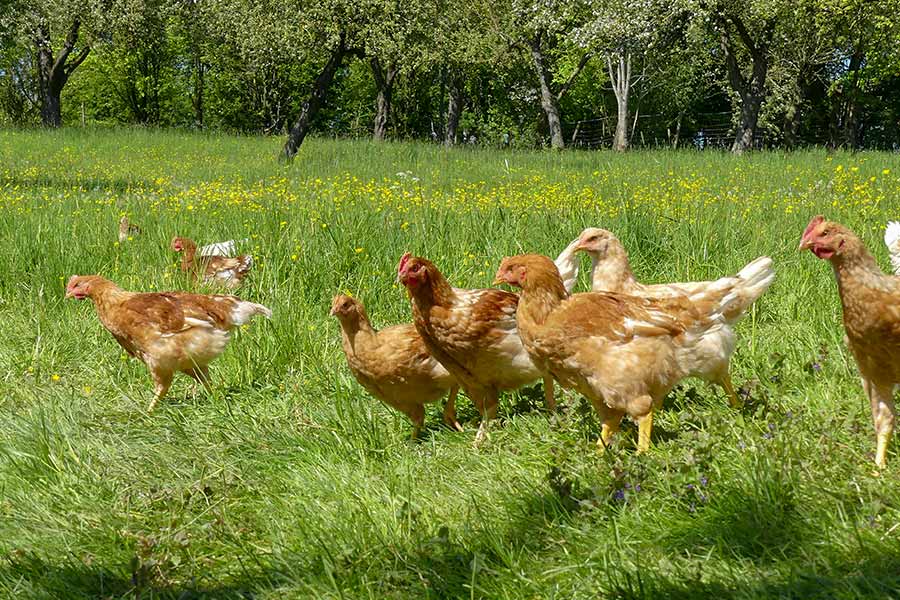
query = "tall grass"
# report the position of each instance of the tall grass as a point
(290, 481)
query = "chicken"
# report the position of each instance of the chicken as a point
(127, 229)
(394, 365)
(892, 241)
(624, 353)
(473, 334)
(168, 331)
(871, 306)
(226, 248)
(222, 270)
(610, 271)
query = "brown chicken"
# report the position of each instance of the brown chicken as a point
(217, 270)
(168, 331)
(127, 229)
(611, 271)
(624, 353)
(473, 333)
(394, 365)
(871, 306)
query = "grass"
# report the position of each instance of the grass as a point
(290, 481)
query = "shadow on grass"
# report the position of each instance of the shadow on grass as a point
(876, 577)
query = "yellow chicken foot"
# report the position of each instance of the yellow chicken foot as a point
(608, 429)
(483, 434)
(163, 381)
(880, 453)
(645, 426)
(733, 399)
(549, 396)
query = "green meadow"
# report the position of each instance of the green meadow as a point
(290, 481)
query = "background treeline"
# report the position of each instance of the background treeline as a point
(721, 73)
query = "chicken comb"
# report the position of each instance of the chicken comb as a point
(892, 235)
(403, 260)
(816, 220)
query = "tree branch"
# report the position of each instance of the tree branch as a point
(68, 46)
(745, 37)
(568, 84)
(78, 60)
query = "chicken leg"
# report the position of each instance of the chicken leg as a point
(163, 380)
(450, 410)
(608, 428)
(488, 409)
(549, 396)
(416, 414)
(733, 399)
(645, 426)
(201, 375)
(882, 403)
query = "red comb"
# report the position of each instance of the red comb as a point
(403, 260)
(812, 225)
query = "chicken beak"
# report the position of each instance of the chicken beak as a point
(805, 244)
(70, 294)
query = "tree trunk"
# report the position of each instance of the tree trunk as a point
(620, 77)
(548, 99)
(54, 73)
(752, 90)
(677, 137)
(384, 84)
(199, 86)
(454, 109)
(312, 105)
(750, 107)
(851, 103)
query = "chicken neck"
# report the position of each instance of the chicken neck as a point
(106, 296)
(542, 293)
(854, 263)
(357, 328)
(613, 273)
(435, 292)
(189, 252)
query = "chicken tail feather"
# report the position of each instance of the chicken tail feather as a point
(244, 311)
(892, 241)
(752, 281)
(730, 297)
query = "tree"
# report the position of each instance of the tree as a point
(546, 32)
(625, 33)
(313, 104)
(865, 36)
(397, 37)
(69, 25)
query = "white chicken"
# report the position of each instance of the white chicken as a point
(611, 271)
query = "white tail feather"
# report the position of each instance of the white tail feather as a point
(892, 241)
(220, 248)
(244, 311)
(739, 292)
